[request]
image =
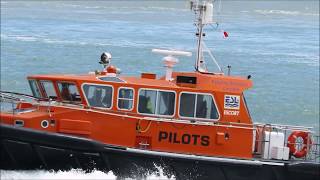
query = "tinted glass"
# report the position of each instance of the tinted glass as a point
(147, 101)
(165, 103)
(125, 104)
(126, 93)
(98, 96)
(49, 89)
(69, 92)
(198, 106)
(34, 88)
(187, 104)
(125, 98)
(206, 107)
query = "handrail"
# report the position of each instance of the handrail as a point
(9, 93)
(312, 144)
(12, 98)
(282, 125)
(286, 127)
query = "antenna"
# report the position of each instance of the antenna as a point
(203, 10)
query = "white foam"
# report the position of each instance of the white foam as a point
(72, 174)
(119, 43)
(41, 174)
(28, 38)
(24, 38)
(282, 12)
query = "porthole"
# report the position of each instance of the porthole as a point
(44, 123)
(19, 123)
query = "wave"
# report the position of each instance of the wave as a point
(119, 8)
(283, 12)
(29, 38)
(309, 59)
(19, 37)
(42, 174)
(71, 174)
(122, 43)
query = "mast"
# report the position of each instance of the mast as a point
(199, 46)
(204, 15)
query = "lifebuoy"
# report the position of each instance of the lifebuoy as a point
(292, 143)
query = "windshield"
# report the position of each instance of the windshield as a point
(69, 92)
(48, 89)
(34, 88)
(98, 96)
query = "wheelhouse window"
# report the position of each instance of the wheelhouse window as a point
(156, 102)
(48, 89)
(98, 96)
(198, 106)
(69, 92)
(34, 88)
(125, 98)
(187, 104)
(165, 103)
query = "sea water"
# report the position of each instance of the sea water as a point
(276, 42)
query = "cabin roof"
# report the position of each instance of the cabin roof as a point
(91, 78)
(207, 82)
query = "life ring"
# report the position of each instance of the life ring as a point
(292, 143)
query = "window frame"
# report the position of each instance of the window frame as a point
(70, 82)
(157, 115)
(133, 98)
(43, 89)
(37, 84)
(105, 85)
(245, 105)
(195, 107)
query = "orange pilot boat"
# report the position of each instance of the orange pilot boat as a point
(193, 125)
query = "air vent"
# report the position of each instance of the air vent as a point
(186, 79)
(111, 79)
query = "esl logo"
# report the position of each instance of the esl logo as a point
(231, 102)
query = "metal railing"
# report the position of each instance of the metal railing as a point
(10, 100)
(312, 145)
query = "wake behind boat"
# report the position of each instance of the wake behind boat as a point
(193, 125)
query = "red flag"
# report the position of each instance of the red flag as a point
(225, 34)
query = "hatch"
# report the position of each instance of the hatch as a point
(111, 79)
(187, 79)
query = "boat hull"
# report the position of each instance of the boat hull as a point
(23, 149)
